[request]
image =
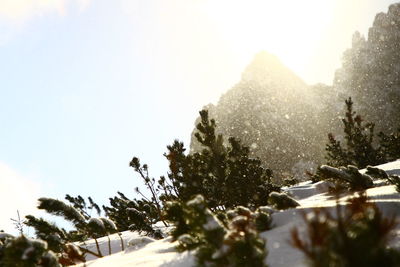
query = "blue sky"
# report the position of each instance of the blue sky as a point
(86, 85)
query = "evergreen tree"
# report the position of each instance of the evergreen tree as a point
(59, 239)
(350, 177)
(135, 215)
(390, 145)
(25, 252)
(49, 232)
(282, 201)
(234, 241)
(225, 175)
(358, 148)
(357, 235)
(381, 174)
(80, 204)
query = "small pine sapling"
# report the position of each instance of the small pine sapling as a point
(381, 174)
(59, 208)
(4, 239)
(232, 241)
(395, 180)
(150, 183)
(349, 176)
(290, 181)
(135, 215)
(189, 220)
(282, 201)
(84, 229)
(358, 148)
(242, 245)
(263, 218)
(223, 172)
(18, 224)
(49, 232)
(390, 145)
(80, 204)
(357, 235)
(26, 252)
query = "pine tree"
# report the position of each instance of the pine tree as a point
(282, 201)
(49, 232)
(135, 215)
(225, 174)
(85, 228)
(356, 235)
(390, 145)
(80, 204)
(25, 252)
(381, 174)
(233, 241)
(348, 176)
(359, 147)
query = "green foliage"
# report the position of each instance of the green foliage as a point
(49, 232)
(348, 176)
(381, 174)
(282, 201)
(150, 183)
(134, 215)
(225, 175)
(390, 145)
(25, 252)
(290, 181)
(395, 180)
(59, 208)
(232, 242)
(80, 204)
(358, 236)
(4, 239)
(85, 226)
(358, 149)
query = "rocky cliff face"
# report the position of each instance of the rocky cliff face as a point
(275, 113)
(285, 122)
(370, 71)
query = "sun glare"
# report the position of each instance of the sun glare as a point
(289, 29)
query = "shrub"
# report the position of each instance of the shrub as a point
(379, 173)
(26, 252)
(224, 173)
(348, 176)
(85, 227)
(80, 204)
(358, 148)
(135, 215)
(390, 145)
(358, 235)
(282, 201)
(234, 242)
(49, 232)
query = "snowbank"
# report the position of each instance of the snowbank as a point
(144, 251)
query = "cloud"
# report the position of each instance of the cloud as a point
(16, 193)
(23, 10)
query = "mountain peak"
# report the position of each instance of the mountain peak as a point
(266, 68)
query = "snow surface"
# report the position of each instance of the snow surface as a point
(144, 251)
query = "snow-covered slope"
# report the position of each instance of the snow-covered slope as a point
(143, 251)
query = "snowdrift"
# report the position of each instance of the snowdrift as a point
(144, 251)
